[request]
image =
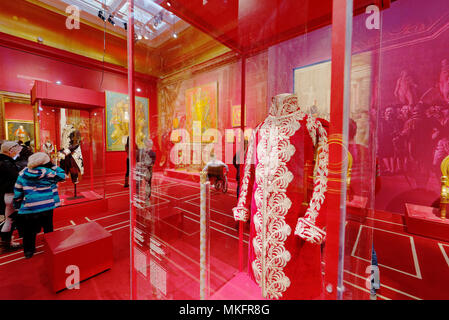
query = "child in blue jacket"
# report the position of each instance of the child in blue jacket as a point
(35, 196)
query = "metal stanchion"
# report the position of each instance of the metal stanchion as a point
(204, 236)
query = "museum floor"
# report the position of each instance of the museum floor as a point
(411, 267)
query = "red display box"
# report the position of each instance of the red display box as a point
(425, 221)
(87, 246)
(357, 209)
(241, 287)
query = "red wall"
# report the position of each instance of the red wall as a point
(18, 111)
(20, 69)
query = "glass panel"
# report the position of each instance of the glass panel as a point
(360, 156)
(54, 92)
(410, 235)
(80, 132)
(212, 55)
(186, 241)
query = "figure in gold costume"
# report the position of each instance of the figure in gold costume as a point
(120, 121)
(140, 125)
(201, 110)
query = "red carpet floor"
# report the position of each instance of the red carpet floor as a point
(411, 267)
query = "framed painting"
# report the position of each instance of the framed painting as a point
(236, 116)
(117, 120)
(20, 130)
(201, 108)
(312, 84)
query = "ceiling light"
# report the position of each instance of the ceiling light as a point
(139, 37)
(175, 35)
(138, 89)
(101, 15)
(110, 19)
(58, 82)
(168, 4)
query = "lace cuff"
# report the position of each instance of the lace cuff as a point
(241, 213)
(309, 231)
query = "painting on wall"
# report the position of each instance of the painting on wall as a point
(20, 130)
(201, 108)
(117, 120)
(236, 116)
(312, 84)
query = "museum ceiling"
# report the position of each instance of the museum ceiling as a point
(157, 51)
(165, 43)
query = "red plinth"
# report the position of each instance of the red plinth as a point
(356, 209)
(426, 221)
(87, 246)
(80, 209)
(241, 287)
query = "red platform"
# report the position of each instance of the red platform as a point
(80, 209)
(356, 209)
(87, 246)
(426, 221)
(241, 287)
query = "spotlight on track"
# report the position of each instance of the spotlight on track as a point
(125, 25)
(110, 20)
(101, 15)
(175, 35)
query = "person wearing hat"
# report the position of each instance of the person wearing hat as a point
(35, 196)
(2, 200)
(9, 172)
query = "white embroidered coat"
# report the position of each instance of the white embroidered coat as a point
(285, 236)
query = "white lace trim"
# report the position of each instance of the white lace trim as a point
(321, 172)
(309, 232)
(274, 151)
(240, 212)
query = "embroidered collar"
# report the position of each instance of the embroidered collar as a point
(284, 104)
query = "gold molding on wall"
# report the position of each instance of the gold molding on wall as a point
(5, 97)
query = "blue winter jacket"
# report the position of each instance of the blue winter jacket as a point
(36, 191)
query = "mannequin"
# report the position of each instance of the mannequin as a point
(48, 148)
(285, 236)
(70, 154)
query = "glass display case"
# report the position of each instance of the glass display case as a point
(277, 150)
(261, 183)
(72, 134)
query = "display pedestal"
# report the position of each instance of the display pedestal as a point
(88, 247)
(425, 221)
(357, 209)
(241, 287)
(75, 195)
(80, 209)
(183, 175)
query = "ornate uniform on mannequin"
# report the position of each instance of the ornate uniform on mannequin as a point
(285, 237)
(71, 156)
